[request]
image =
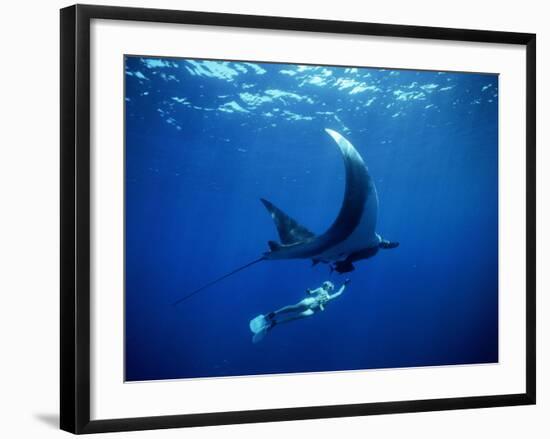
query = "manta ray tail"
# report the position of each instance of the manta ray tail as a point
(215, 281)
(290, 231)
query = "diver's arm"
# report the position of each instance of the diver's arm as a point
(340, 291)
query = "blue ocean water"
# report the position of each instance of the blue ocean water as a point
(205, 140)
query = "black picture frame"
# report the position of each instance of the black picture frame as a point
(75, 217)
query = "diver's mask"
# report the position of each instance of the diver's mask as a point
(328, 286)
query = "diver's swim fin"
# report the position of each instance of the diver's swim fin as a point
(256, 338)
(259, 326)
(258, 323)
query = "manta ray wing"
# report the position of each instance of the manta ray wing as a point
(290, 231)
(301, 243)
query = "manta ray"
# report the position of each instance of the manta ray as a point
(351, 237)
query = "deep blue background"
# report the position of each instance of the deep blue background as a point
(205, 140)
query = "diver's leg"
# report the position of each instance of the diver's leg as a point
(298, 307)
(283, 310)
(301, 315)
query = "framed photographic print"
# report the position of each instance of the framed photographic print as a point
(268, 218)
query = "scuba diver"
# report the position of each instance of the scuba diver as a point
(316, 300)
